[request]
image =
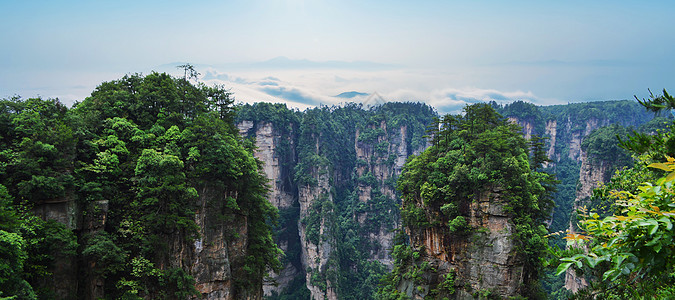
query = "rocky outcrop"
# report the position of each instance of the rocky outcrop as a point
(220, 251)
(64, 281)
(376, 162)
(552, 133)
(267, 143)
(316, 254)
(277, 166)
(528, 126)
(592, 174)
(578, 133)
(379, 158)
(484, 261)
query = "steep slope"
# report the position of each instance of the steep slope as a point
(348, 159)
(170, 194)
(344, 163)
(474, 208)
(565, 127)
(581, 142)
(159, 196)
(274, 129)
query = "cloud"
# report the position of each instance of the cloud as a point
(350, 95)
(302, 88)
(291, 94)
(452, 100)
(270, 83)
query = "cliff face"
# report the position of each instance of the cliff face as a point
(377, 163)
(567, 127)
(277, 165)
(594, 171)
(486, 260)
(342, 213)
(577, 134)
(64, 282)
(527, 124)
(217, 258)
(344, 192)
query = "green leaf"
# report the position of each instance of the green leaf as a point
(670, 177)
(657, 247)
(562, 268)
(608, 274)
(653, 229)
(669, 224)
(592, 262)
(653, 242)
(661, 166)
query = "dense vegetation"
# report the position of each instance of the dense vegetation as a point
(136, 158)
(627, 249)
(563, 127)
(471, 155)
(324, 144)
(129, 167)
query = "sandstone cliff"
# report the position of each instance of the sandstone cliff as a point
(348, 176)
(278, 164)
(215, 260)
(483, 262)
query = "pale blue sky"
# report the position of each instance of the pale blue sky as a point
(541, 51)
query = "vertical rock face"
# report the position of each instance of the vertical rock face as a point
(579, 132)
(592, 174)
(493, 265)
(217, 258)
(551, 132)
(267, 143)
(367, 173)
(484, 261)
(528, 126)
(376, 162)
(316, 253)
(283, 193)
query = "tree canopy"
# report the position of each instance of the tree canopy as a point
(149, 149)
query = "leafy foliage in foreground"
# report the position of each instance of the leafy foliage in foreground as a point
(629, 253)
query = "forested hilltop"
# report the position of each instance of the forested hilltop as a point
(144, 190)
(156, 187)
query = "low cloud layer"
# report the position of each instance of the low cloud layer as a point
(301, 90)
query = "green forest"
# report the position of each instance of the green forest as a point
(624, 245)
(153, 187)
(335, 129)
(471, 155)
(137, 159)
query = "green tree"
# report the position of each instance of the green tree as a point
(629, 252)
(631, 249)
(475, 153)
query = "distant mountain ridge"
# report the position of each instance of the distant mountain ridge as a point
(349, 95)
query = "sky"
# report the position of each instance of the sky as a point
(305, 53)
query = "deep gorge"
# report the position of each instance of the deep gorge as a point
(149, 189)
